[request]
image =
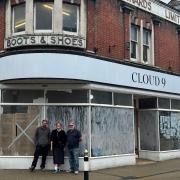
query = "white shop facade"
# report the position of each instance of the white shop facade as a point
(123, 111)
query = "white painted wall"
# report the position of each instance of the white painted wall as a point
(159, 155)
(24, 162)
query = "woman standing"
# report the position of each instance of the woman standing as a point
(58, 142)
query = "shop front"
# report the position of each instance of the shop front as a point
(100, 96)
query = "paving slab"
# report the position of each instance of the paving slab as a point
(147, 170)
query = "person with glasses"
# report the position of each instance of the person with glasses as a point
(41, 140)
(73, 139)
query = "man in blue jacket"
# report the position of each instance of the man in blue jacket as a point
(73, 138)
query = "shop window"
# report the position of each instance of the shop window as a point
(169, 129)
(148, 103)
(164, 103)
(146, 45)
(112, 131)
(134, 42)
(22, 96)
(100, 97)
(43, 15)
(79, 114)
(175, 104)
(14, 109)
(17, 128)
(68, 96)
(70, 18)
(122, 99)
(18, 19)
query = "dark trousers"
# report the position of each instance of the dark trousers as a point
(40, 150)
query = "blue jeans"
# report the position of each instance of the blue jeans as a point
(74, 159)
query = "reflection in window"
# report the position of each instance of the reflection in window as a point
(44, 12)
(19, 18)
(70, 18)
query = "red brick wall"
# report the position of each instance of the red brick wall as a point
(167, 47)
(108, 31)
(2, 23)
(105, 28)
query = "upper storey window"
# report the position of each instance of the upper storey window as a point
(18, 18)
(141, 44)
(134, 42)
(146, 45)
(70, 18)
(43, 15)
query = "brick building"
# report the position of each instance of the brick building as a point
(110, 65)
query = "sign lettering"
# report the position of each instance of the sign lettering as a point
(51, 40)
(148, 79)
(156, 8)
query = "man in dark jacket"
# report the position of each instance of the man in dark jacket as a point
(42, 137)
(73, 139)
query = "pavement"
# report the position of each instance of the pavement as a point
(144, 169)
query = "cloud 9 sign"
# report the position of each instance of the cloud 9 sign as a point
(51, 40)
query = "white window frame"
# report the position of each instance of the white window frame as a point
(78, 19)
(148, 46)
(43, 31)
(137, 43)
(12, 22)
(140, 45)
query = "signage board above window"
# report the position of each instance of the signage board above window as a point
(45, 40)
(157, 9)
(89, 69)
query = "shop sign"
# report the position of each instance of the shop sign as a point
(83, 68)
(148, 79)
(45, 40)
(157, 9)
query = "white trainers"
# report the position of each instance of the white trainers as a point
(76, 172)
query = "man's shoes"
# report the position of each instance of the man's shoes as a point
(32, 168)
(76, 172)
(42, 168)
